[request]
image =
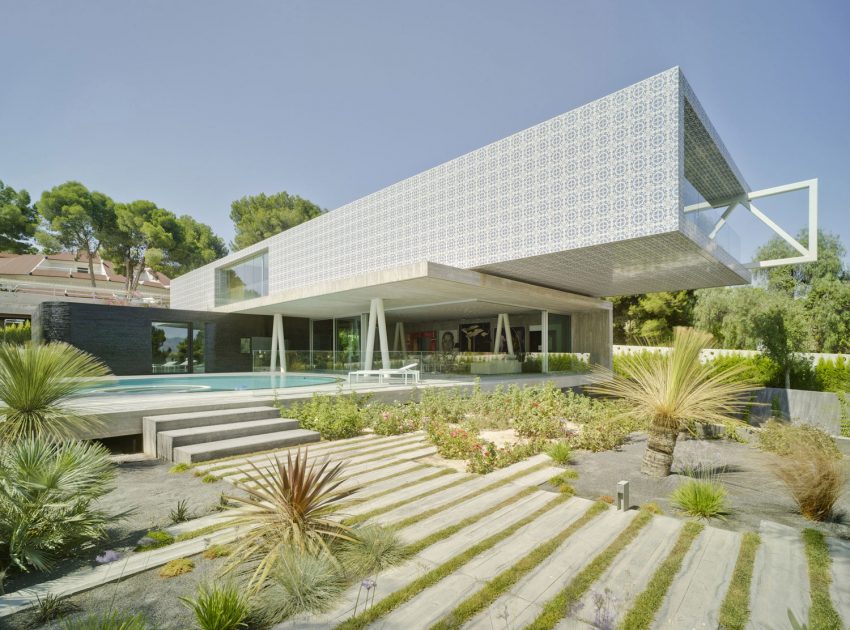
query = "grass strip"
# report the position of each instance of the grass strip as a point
(735, 610)
(440, 473)
(646, 605)
(355, 520)
(505, 580)
(555, 609)
(401, 596)
(440, 508)
(380, 448)
(442, 534)
(822, 614)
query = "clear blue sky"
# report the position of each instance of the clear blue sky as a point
(192, 104)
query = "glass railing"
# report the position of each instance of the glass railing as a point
(429, 362)
(704, 220)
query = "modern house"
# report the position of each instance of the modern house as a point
(504, 251)
(27, 280)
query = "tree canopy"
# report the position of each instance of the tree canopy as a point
(651, 318)
(18, 220)
(797, 280)
(77, 219)
(257, 217)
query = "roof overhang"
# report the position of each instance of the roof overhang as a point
(422, 290)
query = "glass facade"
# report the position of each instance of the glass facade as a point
(170, 343)
(244, 280)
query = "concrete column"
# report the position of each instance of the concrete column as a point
(508, 336)
(370, 334)
(273, 364)
(382, 334)
(544, 339)
(498, 345)
(278, 344)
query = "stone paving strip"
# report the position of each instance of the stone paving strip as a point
(372, 446)
(409, 450)
(324, 447)
(696, 595)
(410, 493)
(780, 579)
(839, 589)
(629, 574)
(521, 605)
(427, 559)
(433, 603)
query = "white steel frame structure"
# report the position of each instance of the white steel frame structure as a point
(807, 253)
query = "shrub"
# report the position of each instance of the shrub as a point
(335, 417)
(833, 376)
(48, 492)
(784, 438)
(218, 607)
(814, 476)
(154, 540)
(51, 607)
(703, 499)
(452, 442)
(603, 434)
(110, 621)
(560, 452)
(442, 406)
(35, 384)
(373, 549)
(210, 478)
(540, 424)
(486, 457)
(176, 567)
(16, 334)
(396, 419)
(288, 504)
(301, 583)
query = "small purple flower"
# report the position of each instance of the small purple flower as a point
(368, 584)
(108, 556)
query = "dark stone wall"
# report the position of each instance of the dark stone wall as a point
(121, 335)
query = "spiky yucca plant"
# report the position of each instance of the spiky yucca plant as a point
(289, 504)
(675, 390)
(35, 384)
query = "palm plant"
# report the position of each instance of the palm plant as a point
(288, 505)
(47, 491)
(674, 391)
(35, 384)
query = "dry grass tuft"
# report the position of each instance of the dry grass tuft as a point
(814, 478)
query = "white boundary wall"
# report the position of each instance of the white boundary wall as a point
(712, 353)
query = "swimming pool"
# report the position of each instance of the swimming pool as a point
(193, 384)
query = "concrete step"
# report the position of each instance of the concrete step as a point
(238, 446)
(151, 425)
(780, 578)
(167, 441)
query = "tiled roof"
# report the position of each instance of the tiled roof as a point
(29, 265)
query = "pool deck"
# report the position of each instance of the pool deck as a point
(122, 414)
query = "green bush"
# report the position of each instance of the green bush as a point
(833, 375)
(561, 452)
(784, 438)
(702, 499)
(442, 405)
(538, 425)
(486, 457)
(301, 583)
(16, 334)
(335, 417)
(109, 621)
(220, 606)
(452, 442)
(48, 493)
(372, 549)
(396, 419)
(604, 433)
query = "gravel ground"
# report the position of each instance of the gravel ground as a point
(146, 487)
(754, 493)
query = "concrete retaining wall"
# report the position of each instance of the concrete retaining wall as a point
(821, 409)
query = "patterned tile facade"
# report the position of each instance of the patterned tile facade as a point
(608, 172)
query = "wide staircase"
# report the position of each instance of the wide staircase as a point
(199, 436)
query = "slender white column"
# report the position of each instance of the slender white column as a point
(370, 334)
(498, 345)
(274, 344)
(544, 324)
(398, 339)
(281, 341)
(508, 334)
(382, 333)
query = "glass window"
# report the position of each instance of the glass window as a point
(169, 343)
(244, 280)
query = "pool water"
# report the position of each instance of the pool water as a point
(192, 384)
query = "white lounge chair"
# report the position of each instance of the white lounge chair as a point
(356, 375)
(404, 372)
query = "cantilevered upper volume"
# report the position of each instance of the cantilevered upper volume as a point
(610, 198)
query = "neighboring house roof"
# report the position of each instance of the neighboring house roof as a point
(45, 266)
